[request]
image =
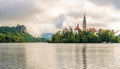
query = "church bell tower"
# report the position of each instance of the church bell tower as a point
(84, 23)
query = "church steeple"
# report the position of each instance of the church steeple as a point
(84, 17)
(84, 23)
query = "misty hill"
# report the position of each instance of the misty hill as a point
(47, 36)
(16, 34)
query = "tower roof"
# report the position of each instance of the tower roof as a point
(84, 23)
(77, 27)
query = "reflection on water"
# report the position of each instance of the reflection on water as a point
(69, 57)
(59, 56)
(12, 57)
(72, 57)
(84, 57)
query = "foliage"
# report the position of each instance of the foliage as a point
(68, 36)
(16, 34)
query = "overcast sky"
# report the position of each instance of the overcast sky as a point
(48, 16)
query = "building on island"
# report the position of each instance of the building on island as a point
(84, 25)
(76, 28)
(92, 30)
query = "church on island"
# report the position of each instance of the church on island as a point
(84, 26)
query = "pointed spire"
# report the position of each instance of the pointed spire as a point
(84, 22)
(84, 18)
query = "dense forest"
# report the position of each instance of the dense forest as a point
(17, 34)
(69, 36)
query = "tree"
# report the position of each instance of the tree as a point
(67, 36)
(116, 39)
(106, 35)
(16, 34)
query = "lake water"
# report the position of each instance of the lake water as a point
(59, 56)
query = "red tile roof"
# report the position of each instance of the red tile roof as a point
(92, 30)
(77, 27)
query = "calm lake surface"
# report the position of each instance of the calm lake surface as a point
(59, 56)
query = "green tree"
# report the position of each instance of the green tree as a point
(106, 35)
(16, 34)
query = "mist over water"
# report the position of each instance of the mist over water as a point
(59, 56)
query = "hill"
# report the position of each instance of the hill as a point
(16, 34)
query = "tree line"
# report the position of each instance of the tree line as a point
(69, 36)
(17, 34)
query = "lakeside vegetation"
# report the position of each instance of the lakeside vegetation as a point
(17, 34)
(68, 36)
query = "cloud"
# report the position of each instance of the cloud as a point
(114, 3)
(44, 16)
(59, 21)
(16, 10)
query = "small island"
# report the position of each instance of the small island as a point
(91, 35)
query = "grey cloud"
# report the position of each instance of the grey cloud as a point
(59, 21)
(97, 25)
(114, 3)
(16, 10)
